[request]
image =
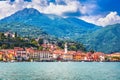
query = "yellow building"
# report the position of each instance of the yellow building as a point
(1, 55)
(77, 57)
(115, 57)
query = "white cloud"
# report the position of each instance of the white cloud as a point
(91, 19)
(52, 8)
(6, 9)
(109, 19)
(59, 9)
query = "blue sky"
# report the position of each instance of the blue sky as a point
(99, 12)
(108, 6)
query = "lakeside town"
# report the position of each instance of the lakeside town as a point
(52, 53)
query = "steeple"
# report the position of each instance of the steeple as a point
(65, 48)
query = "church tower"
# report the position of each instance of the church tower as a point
(65, 48)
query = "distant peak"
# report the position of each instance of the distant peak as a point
(30, 11)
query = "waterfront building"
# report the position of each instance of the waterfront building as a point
(21, 54)
(1, 55)
(57, 54)
(114, 56)
(11, 54)
(41, 55)
(77, 56)
(98, 56)
(83, 56)
(7, 54)
(68, 56)
(89, 56)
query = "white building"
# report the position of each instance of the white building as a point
(41, 56)
(9, 34)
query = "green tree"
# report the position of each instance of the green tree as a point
(92, 51)
(2, 36)
(34, 42)
(40, 41)
(40, 48)
(15, 34)
(4, 46)
(61, 44)
(73, 47)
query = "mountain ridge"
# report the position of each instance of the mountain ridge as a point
(69, 28)
(106, 39)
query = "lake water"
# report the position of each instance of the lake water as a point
(60, 71)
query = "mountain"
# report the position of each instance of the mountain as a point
(34, 23)
(52, 24)
(106, 39)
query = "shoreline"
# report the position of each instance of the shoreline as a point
(58, 61)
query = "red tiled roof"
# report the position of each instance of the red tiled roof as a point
(98, 54)
(18, 48)
(58, 51)
(2, 52)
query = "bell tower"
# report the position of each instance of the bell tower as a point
(65, 48)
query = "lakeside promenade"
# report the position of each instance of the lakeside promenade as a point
(19, 54)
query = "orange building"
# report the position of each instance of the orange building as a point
(7, 54)
(57, 54)
(1, 55)
(11, 54)
(77, 57)
(89, 56)
(98, 56)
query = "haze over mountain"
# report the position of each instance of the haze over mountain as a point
(94, 37)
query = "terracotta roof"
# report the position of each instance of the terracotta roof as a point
(71, 52)
(58, 51)
(99, 53)
(2, 52)
(77, 54)
(18, 48)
